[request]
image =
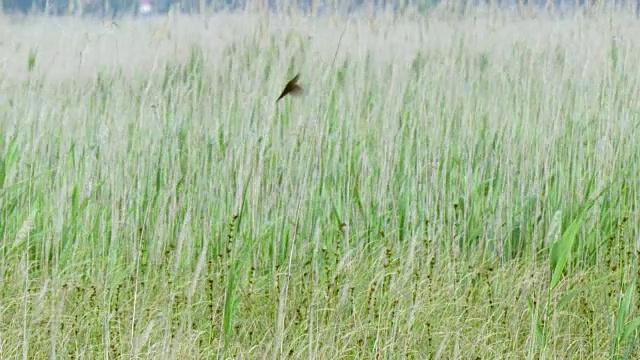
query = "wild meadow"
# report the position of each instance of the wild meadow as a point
(446, 188)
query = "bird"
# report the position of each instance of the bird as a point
(292, 88)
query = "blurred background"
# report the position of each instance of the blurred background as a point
(117, 8)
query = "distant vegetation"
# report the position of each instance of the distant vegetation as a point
(114, 8)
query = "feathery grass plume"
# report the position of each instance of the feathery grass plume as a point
(164, 31)
(22, 234)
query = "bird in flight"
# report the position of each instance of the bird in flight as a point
(292, 88)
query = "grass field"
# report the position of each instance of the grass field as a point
(446, 188)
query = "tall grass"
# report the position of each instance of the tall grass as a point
(463, 189)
